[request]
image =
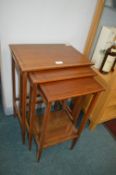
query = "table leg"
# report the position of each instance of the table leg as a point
(77, 108)
(13, 86)
(44, 130)
(85, 118)
(23, 94)
(33, 94)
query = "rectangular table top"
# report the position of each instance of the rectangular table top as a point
(34, 57)
(61, 74)
(65, 89)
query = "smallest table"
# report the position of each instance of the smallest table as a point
(56, 127)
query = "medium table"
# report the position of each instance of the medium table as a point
(60, 58)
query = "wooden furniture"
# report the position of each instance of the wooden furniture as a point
(28, 58)
(59, 126)
(105, 108)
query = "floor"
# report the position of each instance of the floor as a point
(95, 153)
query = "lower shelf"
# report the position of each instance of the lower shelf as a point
(60, 128)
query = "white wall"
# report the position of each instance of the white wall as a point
(40, 21)
(0, 60)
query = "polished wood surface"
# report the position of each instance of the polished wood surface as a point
(33, 96)
(62, 74)
(34, 57)
(13, 86)
(70, 88)
(74, 78)
(57, 127)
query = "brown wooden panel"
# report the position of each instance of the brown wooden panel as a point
(34, 57)
(61, 74)
(59, 128)
(70, 88)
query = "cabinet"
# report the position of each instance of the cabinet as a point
(105, 108)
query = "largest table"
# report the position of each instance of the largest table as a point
(36, 58)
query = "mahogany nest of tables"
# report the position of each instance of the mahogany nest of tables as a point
(65, 61)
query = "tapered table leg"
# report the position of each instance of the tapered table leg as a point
(77, 108)
(33, 94)
(85, 118)
(13, 86)
(44, 130)
(23, 94)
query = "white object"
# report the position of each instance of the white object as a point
(104, 42)
(108, 64)
(113, 50)
(58, 62)
(68, 44)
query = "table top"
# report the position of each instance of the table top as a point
(65, 89)
(35, 57)
(62, 74)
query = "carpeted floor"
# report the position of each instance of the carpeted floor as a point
(95, 153)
